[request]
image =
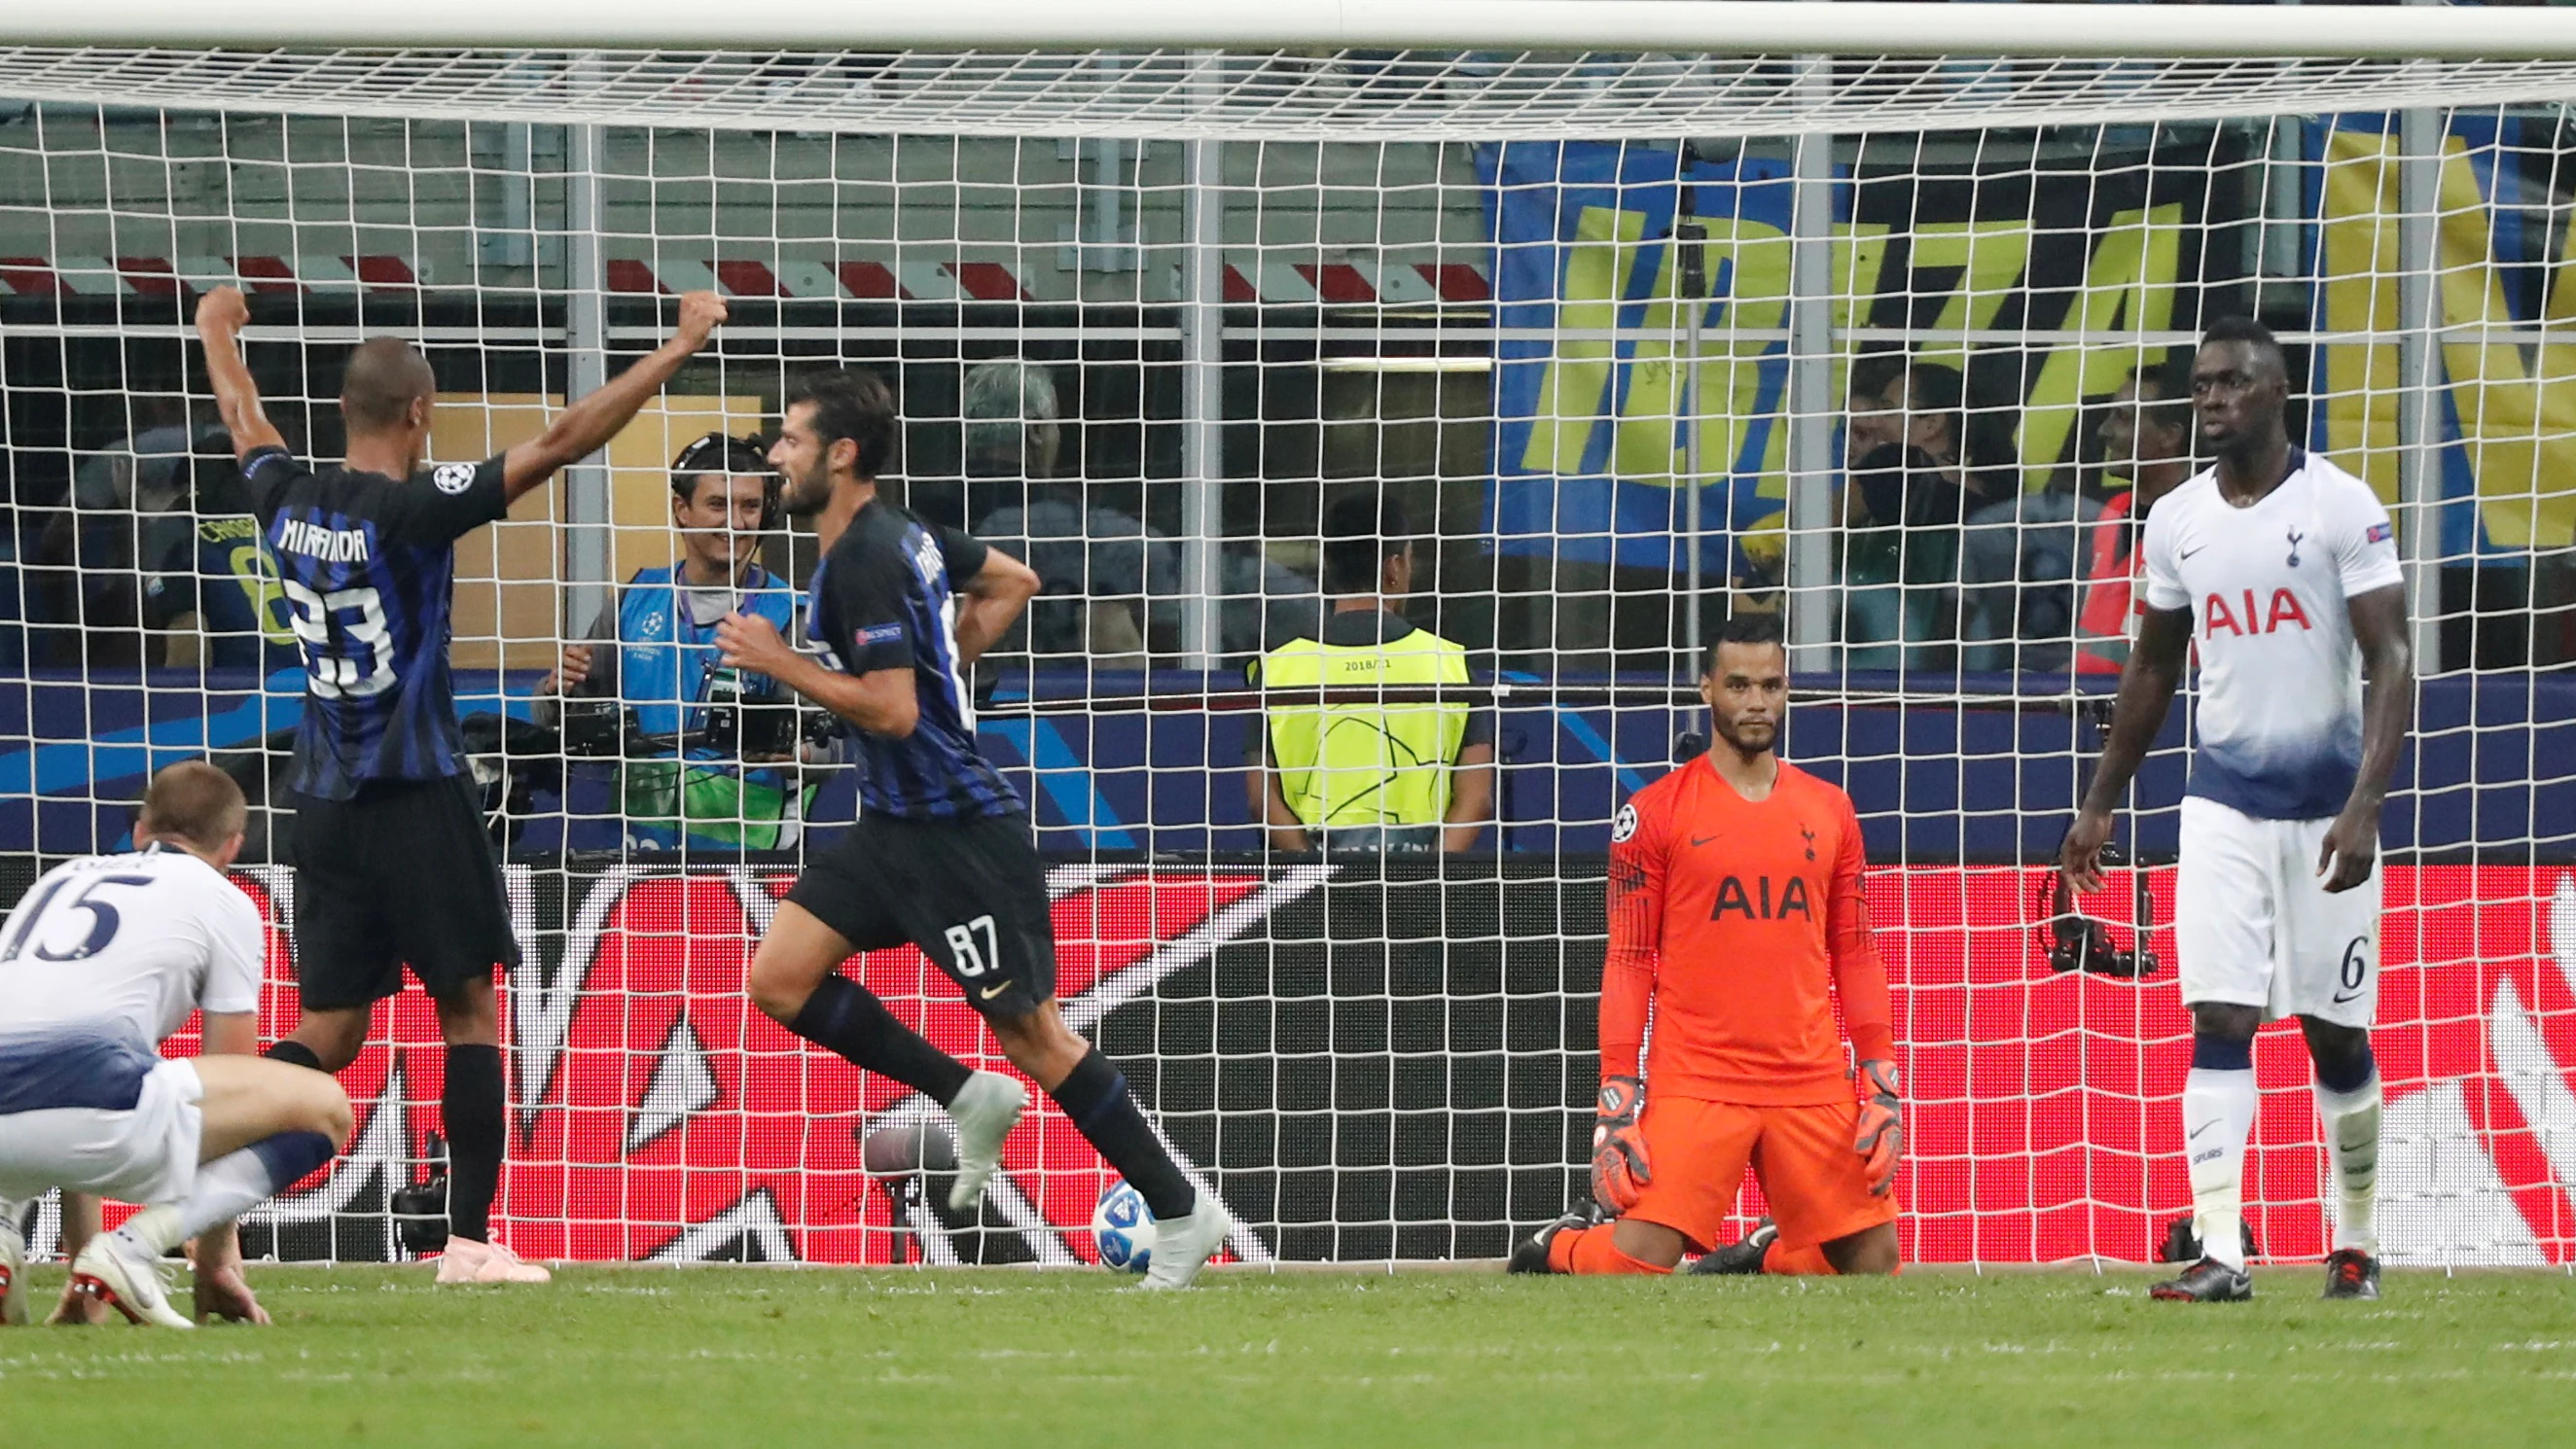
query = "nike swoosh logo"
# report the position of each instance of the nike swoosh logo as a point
(2203, 1127)
(2341, 999)
(2186, 553)
(1705, 839)
(989, 992)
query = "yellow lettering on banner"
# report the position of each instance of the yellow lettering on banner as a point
(1990, 257)
(1572, 394)
(2516, 410)
(2358, 263)
(2128, 285)
(1859, 253)
(2519, 431)
(1748, 273)
(1859, 256)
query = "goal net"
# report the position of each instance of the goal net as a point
(1607, 342)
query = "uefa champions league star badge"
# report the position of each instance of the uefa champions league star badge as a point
(1625, 825)
(453, 477)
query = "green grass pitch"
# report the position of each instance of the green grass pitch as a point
(719, 1356)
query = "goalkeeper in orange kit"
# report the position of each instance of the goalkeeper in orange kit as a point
(1736, 912)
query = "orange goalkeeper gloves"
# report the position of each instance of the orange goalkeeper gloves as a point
(1881, 1138)
(1619, 1170)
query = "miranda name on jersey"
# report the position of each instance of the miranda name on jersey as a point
(329, 545)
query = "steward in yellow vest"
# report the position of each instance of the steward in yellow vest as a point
(1363, 774)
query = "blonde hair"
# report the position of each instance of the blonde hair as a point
(195, 802)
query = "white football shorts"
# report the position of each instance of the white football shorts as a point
(96, 1114)
(2255, 926)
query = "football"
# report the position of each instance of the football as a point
(1122, 1227)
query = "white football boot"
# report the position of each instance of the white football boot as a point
(1182, 1246)
(126, 1276)
(986, 1110)
(467, 1261)
(13, 1275)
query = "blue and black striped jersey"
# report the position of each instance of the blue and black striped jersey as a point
(368, 564)
(885, 597)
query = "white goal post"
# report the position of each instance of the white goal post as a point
(1630, 313)
(1713, 27)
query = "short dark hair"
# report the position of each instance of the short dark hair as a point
(852, 404)
(1361, 533)
(2250, 332)
(1871, 372)
(2170, 380)
(1746, 628)
(195, 802)
(384, 377)
(1939, 388)
(716, 456)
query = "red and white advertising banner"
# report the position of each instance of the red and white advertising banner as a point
(660, 1116)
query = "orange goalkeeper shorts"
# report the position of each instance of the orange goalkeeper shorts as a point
(1817, 1185)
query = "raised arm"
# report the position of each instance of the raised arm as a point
(2147, 684)
(994, 598)
(221, 314)
(2387, 711)
(585, 427)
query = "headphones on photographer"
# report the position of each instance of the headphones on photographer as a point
(745, 456)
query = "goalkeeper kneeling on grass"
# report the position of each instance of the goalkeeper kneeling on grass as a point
(1736, 912)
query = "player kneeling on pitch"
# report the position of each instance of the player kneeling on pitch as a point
(1736, 913)
(105, 957)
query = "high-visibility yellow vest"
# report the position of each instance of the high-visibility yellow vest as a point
(1343, 765)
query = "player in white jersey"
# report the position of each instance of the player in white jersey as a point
(106, 956)
(2281, 568)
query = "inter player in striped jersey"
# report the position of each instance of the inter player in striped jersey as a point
(2281, 570)
(1736, 915)
(393, 866)
(941, 853)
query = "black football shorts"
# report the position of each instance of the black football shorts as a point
(970, 892)
(404, 874)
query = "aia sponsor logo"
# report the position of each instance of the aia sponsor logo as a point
(1764, 900)
(2243, 616)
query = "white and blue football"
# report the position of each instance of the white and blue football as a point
(1123, 1228)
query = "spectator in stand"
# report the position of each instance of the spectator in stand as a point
(1110, 585)
(2017, 577)
(1904, 501)
(1370, 775)
(84, 567)
(2147, 437)
(211, 595)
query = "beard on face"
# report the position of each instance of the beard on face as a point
(806, 495)
(1734, 734)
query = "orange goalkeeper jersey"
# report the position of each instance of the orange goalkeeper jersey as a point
(1741, 920)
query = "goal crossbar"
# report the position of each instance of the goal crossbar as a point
(1741, 27)
(1293, 69)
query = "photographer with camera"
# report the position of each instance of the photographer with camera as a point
(708, 753)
